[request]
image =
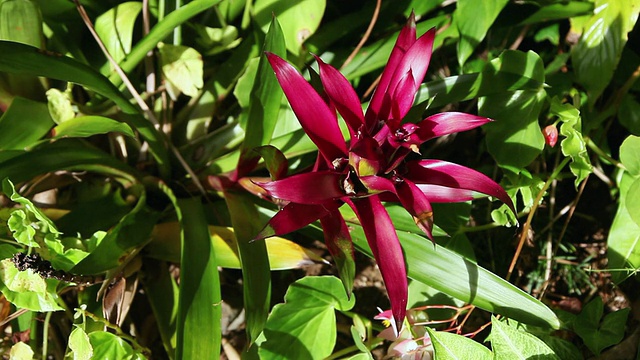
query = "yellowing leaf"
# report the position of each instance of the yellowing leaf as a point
(182, 67)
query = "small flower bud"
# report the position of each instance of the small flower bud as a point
(550, 135)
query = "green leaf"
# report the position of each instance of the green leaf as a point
(132, 231)
(629, 114)
(21, 351)
(300, 19)
(473, 19)
(304, 327)
(629, 151)
(515, 138)
(23, 124)
(28, 290)
(558, 10)
(109, 346)
(604, 36)
(200, 305)
(45, 225)
(624, 235)
(115, 29)
(59, 105)
(513, 70)
(254, 261)
(183, 68)
(454, 275)
(163, 294)
(599, 333)
(159, 32)
(86, 126)
(21, 228)
(79, 344)
(448, 346)
(573, 145)
(23, 59)
(509, 343)
(266, 96)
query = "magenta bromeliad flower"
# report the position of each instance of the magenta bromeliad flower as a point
(373, 167)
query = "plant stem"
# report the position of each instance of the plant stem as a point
(534, 207)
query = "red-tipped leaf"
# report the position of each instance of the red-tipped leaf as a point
(455, 176)
(385, 246)
(342, 95)
(296, 216)
(307, 188)
(446, 123)
(318, 121)
(402, 99)
(417, 204)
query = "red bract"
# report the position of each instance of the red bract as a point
(550, 135)
(374, 167)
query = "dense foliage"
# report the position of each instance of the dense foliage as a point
(176, 175)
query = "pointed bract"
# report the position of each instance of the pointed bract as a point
(307, 188)
(385, 246)
(417, 204)
(318, 121)
(295, 216)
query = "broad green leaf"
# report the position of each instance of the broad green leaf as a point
(596, 332)
(509, 343)
(217, 40)
(22, 229)
(109, 346)
(23, 59)
(631, 201)
(253, 259)
(629, 114)
(515, 138)
(28, 290)
(159, 32)
(473, 19)
(304, 327)
(59, 104)
(80, 345)
(23, 124)
(199, 306)
(629, 151)
(65, 154)
(299, 18)
(454, 275)
(604, 35)
(283, 254)
(624, 235)
(512, 71)
(558, 10)
(115, 29)
(448, 346)
(242, 90)
(573, 145)
(45, 225)
(132, 231)
(21, 351)
(183, 68)
(266, 95)
(86, 126)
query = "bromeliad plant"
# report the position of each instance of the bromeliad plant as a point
(376, 166)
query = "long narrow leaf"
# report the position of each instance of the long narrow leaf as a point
(23, 59)
(200, 308)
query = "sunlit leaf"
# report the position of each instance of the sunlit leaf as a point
(473, 19)
(59, 105)
(299, 19)
(115, 28)
(574, 144)
(23, 124)
(509, 343)
(109, 346)
(26, 289)
(305, 325)
(182, 67)
(86, 126)
(80, 345)
(448, 346)
(21, 351)
(604, 35)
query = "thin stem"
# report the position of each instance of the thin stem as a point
(118, 331)
(366, 35)
(527, 224)
(45, 334)
(592, 145)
